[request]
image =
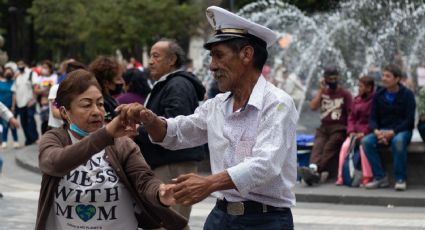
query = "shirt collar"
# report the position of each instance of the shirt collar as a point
(256, 96)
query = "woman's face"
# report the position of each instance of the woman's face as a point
(115, 87)
(362, 88)
(87, 111)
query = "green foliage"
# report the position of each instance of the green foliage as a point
(84, 29)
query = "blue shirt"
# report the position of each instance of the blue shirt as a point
(6, 92)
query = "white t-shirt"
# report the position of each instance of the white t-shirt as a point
(23, 88)
(92, 197)
(47, 81)
(53, 122)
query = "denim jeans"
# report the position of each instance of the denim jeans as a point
(6, 126)
(219, 220)
(398, 144)
(26, 115)
(421, 128)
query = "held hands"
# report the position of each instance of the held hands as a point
(166, 194)
(191, 189)
(118, 128)
(135, 113)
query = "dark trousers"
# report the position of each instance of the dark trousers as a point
(219, 220)
(327, 143)
(26, 115)
(421, 129)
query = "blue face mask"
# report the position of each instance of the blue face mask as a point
(73, 127)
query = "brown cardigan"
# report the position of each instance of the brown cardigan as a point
(58, 157)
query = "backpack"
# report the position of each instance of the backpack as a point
(351, 169)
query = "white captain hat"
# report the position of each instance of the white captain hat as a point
(228, 25)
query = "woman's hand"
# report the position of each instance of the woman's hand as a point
(117, 128)
(166, 194)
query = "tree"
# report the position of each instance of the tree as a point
(84, 29)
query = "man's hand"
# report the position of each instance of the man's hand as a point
(191, 189)
(135, 113)
(166, 194)
(13, 123)
(389, 134)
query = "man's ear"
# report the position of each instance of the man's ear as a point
(247, 54)
(172, 60)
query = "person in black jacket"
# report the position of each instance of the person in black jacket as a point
(392, 120)
(175, 92)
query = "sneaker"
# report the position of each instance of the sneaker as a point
(400, 185)
(16, 145)
(3, 145)
(309, 175)
(381, 183)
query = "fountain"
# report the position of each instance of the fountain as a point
(358, 37)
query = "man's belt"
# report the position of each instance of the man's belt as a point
(247, 207)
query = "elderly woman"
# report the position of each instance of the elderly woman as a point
(94, 177)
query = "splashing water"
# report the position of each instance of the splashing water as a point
(358, 37)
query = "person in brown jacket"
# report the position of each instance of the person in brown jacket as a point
(94, 177)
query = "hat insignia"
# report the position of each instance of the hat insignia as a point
(210, 14)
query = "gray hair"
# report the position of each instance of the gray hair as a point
(175, 49)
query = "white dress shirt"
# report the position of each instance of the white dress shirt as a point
(256, 144)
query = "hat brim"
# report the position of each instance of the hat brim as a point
(220, 38)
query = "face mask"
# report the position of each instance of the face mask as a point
(332, 85)
(8, 76)
(73, 127)
(21, 69)
(117, 90)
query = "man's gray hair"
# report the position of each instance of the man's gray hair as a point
(175, 49)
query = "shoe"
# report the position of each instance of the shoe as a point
(16, 145)
(381, 183)
(3, 145)
(309, 175)
(400, 185)
(1, 195)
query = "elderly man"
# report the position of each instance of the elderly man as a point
(250, 130)
(175, 92)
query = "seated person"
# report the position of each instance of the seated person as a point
(357, 128)
(334, 102)
(93, 175)
(392, 119)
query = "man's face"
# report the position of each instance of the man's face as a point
(161, 61)
(227, 67)
(389, 80)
